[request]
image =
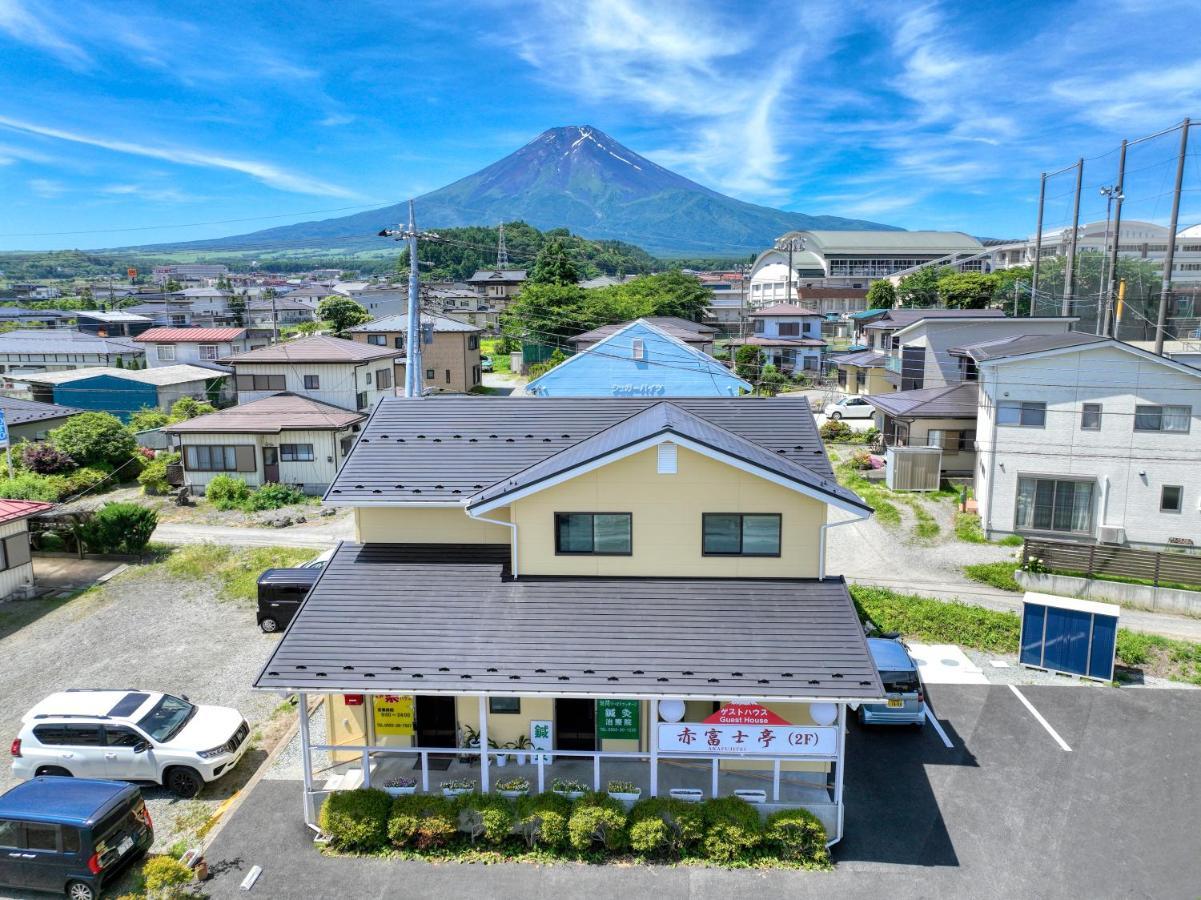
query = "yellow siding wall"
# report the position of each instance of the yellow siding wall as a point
(666, 520)
(877, 383)
(391, 525)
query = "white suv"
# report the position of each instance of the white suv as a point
(130, 735)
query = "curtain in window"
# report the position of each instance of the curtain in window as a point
(1148, 418)
(1082, 507)
(1175, 418)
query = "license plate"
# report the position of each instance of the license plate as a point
(125, 846)
(895, 704)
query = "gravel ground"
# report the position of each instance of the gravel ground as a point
(145, 629)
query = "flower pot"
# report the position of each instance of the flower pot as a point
(513, 795)
(400, 791)
(519, 758)
(751, 796)
(688, 795)
(570, 795)
(455, 792)
(631, 796)
(502, 761)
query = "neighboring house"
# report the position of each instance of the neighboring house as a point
(694, 334)
(640, 359)
(311, 294)
(280, 311)
(283, 438)
(210, 305)
(520, 563)
(173, 313)
(58, 350)
(194, 346)
(188, 272)
(117, 323)
(862, 372)
(1089, 439)
(29, 420)
(46, 318)
(16, 561)
(498, 285)
(450, 361)
(789, 335)
(342, 373)
(943, 417)
(123, 392)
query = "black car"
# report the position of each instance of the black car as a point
(71, 835)
(281, 592)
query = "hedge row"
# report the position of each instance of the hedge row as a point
(726, 830)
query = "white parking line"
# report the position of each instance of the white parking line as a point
(1041, 721)
(933, 720)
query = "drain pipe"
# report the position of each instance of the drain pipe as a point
(821, 546)
(512, 525)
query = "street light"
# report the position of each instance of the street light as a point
(792, 245)
(1110, 193)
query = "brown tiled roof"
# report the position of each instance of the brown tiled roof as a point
(318, 348)
(273, 414)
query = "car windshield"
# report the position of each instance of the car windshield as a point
(168, 718)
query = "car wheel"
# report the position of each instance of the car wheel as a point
(54, 770)
(80, 890)
(183, 782)
(835, 416)
(269, 626)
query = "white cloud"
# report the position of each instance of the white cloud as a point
(267, 173)
(333, 120)
(47, 187)
(149, 193)
(38, 28)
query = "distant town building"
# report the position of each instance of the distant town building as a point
(59, 349)
(195, 346)
(789, 335)
(188, 272)
(498, 285)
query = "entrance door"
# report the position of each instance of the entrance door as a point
(575, 724)
(271, 465)
(436, 724)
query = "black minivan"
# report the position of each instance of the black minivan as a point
(281, 592)
(71, 835)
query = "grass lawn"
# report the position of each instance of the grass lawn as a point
(236, 570)
(500, 361)
(998, 574)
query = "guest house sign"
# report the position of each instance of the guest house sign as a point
(748, 729)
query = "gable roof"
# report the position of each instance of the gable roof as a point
(901, 318)
(159, 376)
(1021, 344)
(317, 348)
(401, 323)
(682, 329)
(950, 401)
(12, 510)
(785, 309)
(642, 430)
(1028, 353)
(20, 412)
(190, 335)
(270, 415)
(509, 275)
(51, 340)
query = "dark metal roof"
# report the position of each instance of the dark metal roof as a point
(422, 619)
(660, 419)
(951, 401)
(18, 412)
(901, 318)
(1021, 344)
(401, 323)
(445, 449)
(866, 359)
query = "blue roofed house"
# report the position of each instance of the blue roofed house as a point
(123, 392)
(640, 359)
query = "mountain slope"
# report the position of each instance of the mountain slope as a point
(575, 177)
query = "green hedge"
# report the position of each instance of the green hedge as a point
(725, 831)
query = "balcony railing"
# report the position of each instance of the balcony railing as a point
(893, 363)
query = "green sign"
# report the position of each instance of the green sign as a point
(617, 719)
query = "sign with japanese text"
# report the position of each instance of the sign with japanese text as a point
(393, 714)
(542, 736)
(752, 740)
(617, 719)
(745, 714)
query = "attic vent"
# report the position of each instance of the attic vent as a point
(639, 349)
(667, 458)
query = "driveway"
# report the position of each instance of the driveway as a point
(320, 536)
(1005, 812)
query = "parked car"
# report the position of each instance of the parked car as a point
(281, 591)
(318, 562)
(130, 735)
(906, 701)
(71, 835)
(849, 408)
(485, 363)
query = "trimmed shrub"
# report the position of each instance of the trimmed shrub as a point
(597, 819)
(28, 486)
(86, 479)
(124, 527)
(411, 814)
(154, 476)
(357, 820)
(654, 828)
(835, 430)
(94, 437)
(650, 837)
(797, 835)
(732, 829)
(147, 418)
(542, 820)
(46, 459)
(485, 815)
(166, 877)
(273, 496)
(690, 823)
(226, 492)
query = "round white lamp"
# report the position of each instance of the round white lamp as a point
(671, 710)
(823, 713)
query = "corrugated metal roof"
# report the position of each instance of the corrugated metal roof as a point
(954, 401)
(421, 619)
(12, 510)
(318, 348)
(509, 275)
(401, 323)
(1020, 344)
(440, 449)
(190, 335)
(18, 412)
(161, 375)
(892, 242)
(279, 412)
(56, 340)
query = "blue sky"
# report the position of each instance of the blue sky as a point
(127, 122)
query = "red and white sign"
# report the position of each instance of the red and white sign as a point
(749, 740)
(745, 714)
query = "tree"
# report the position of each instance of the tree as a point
(342, 313)
(748, 363)
(966, 290)
(147, 418)
(920, 288)
(120, 363)
(881, 295)
(237, 308)
(553, 265)
(546, 313)
(189, 408)
(93, 438)
(666, 294)
(771, 381)
(172, 286)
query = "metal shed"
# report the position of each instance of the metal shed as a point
(1063, 634)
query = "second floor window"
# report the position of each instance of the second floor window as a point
(1022, 413)
(1090, 417)
(208, 351)
(312, 382)
(736, 534)
(379, 340)
(790, 329)
(1162, 418)
(383, 379)
(598, 534)
(165, 352)
(261, 383)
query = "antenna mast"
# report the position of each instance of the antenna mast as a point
(502, 253)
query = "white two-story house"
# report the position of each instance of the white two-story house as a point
(790, 336)
(1088, 439)
(194, 346)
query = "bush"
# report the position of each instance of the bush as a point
(94, 437)
(124, 527)
(153, 477)
(653, 825)
(411, 816)
(487, 815)
(227, 492)
(273, 496)
(597, 819)
(861, 459)
(732, 829)
(797, 835)
(147, 418)
(357, 820)
(46, 459)
(835, 430)
(690, 823)
(542, 820)
(166, 877)
(189, 408)
(86, 479)
(925, 619)
(28, 486)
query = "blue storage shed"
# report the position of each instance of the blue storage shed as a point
(1063, 634)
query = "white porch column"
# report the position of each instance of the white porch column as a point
(483, 743)
(306, 762)
(653, 737)
(842, 741)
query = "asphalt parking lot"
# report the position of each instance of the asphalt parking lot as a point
(1005, 812)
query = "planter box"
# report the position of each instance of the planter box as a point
(400, 791)
(513, 795)
(688, 795)
(455, 792)
(752, 796)
(631, 796)
(570, 795)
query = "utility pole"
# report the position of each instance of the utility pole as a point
(1165, 292)
(274, 321)
(1069, 277)
(1038, 240)
(791, 244)
(1117, 240)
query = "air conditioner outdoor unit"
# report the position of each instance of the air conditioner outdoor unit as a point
(1111, 534)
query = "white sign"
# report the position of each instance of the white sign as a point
(753, 740)
(542, 736)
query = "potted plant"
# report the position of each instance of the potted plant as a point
(751, 796)
(522, 744)
(471, 741)
(457, 786)
(502, 759)
(624, 790)
(512, 788)
(688, 795)
(399, 787)
(568, 788)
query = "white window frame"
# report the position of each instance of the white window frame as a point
(209, 351)
(164, 352)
